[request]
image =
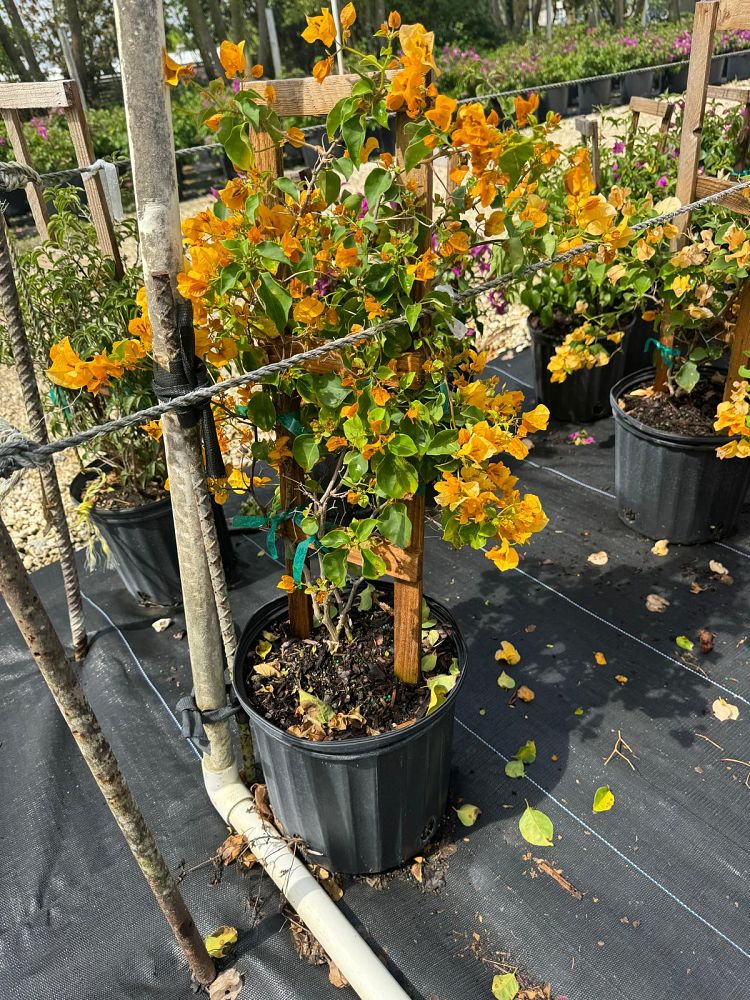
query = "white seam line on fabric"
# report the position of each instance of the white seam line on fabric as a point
(140, 667)
(571, 479)
(610, 845)
(515, 378)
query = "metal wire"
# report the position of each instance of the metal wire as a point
(29, 454)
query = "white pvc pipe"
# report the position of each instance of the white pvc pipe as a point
(366, 974)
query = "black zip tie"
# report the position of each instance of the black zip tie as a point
(192, 720)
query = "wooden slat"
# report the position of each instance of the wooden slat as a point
(650, 106)
(738, 202)
(20, 148)
(306, 97)
(740, 341)
(731, 14)
(45, 95)
(741, 95)
(402, 564)
(84, 150)
(588, 128)
(407, 603)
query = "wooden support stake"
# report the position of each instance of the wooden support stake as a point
(740, 342)
(46, 648)
(34, 193)
(589, 129)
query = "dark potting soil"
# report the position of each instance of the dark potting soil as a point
(691, 414)
(361, 694)
(113, 494)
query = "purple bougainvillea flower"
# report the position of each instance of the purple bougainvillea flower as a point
(362, 209)
(618, 147)
(236, 84)
(662, 182)
(581, 437)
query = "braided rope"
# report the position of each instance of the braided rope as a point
(14, 176)
(27, 454)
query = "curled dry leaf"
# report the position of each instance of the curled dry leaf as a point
(226, 986)
(661, 548)
(724, 710)
(656, 603)
(269, 668)
(621, 678)
(718, 568)
(601, 659)
(508, 653)
(161, 624)
(598, 558)
(525, 693)
(706, 640)
(231, 849)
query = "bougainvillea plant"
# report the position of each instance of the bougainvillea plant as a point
(281, 265)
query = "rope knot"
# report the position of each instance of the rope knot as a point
(17, 175)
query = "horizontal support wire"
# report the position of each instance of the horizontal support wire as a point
(57, 175)
(24, 453)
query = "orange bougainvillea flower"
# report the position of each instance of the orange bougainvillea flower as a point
(286, 583)
(214, 121)
(322, 69)
(503, 556)
(308, 310)
(232, 58)
(321, 28)
(269, 95)
(442, 113)
(525, 106)
(334, 443)
(295, 137)
(348, 16)
(174, 71)
(256, 72)
(394, 20)
(373, 308)
(346, 257)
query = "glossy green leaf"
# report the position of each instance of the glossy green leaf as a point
(515, 769)
(373, 565)
(276, 300)
(536, 828)
(334, 567)
(305, 450)
(394, 525)
(396, 477)
(604, 799)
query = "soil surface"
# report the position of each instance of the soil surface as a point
(113, 494)
(360, 694)
(691, 414)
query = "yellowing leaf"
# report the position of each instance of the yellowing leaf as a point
(598, 558)
(263, 648)
(661, 548)
(506, 681)
(220, 941)
(601, 659)
(505, 987)
(536, 828)
(724, 710)
(604, 799)
(313, 708)
(508, 652)
(439, 686)
(684, 643)
(515, 769)
(468, 814)
(621, 678)
(526, 753)
(525, 693)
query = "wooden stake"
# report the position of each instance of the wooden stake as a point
(20, 148)
(46, 648)
(740, 342)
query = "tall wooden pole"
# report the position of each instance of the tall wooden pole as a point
(46, 648)
(140, 35)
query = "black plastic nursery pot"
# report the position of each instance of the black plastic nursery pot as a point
(143, 548)
(670, 485)
(637, 354)
(639, 84)
(359, 805)
(738, 67)
(677, 79)
(557, 100)
(592, 95)
(584, 396)
(718, 72)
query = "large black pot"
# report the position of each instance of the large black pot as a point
(637, 355)
(584, 395)
(359, 805)
(670, 485)
(557, 100)
(718, 72)
(638, 84)
(738, 67)
(677, 79)
(593, 95)
(142, 546)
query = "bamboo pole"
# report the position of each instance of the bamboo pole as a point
(46, 648)
(140, 34)
(24, 365)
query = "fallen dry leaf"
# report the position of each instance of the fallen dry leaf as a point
(309, 949)
(161, 624)
(598, 558)
(601, 659)
(262, 804)
(706, 640)
(220, 941)
(416, 870)
(621, 678)
(268, 669)
(656, 603)
(525, 693)
(661, 548)
(226, 986)
(231, 849)
(724, 710)
(697, 588)
(718, 568)
(508, 653)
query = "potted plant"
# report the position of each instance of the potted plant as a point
(596, 55)
(95, 356)
(738, 65)
(338, 703)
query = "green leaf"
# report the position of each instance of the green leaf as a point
(402, 445)
(276, 300)
(329, 183)
(394, 525)
(527, 752)
(364, 602)
(335, 539)
(684, 643)
(536, 828)
(271, 251)
(288, 187)
(444, 443)
(415, 153)
(468, 814)
(429, 662)
(353, 133)
(505, 987)
(305, 450)
(238, 148)
(440, 685)
(357, 465)
(373, 565)
(396, 477)
(377, 183)
(261, 411)
(364, 528)
(345, 167)
(604, 799)
(412, 313)
(506, 681)
(314, 708)
(687, 377)
(334, 567)
(330, 391)
(515, 769)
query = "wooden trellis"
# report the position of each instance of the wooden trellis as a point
(712, 16)
(306, 97)
(17, 97)
(664, 110)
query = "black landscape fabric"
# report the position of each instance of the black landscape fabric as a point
(653, 899)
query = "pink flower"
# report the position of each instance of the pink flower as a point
(662, 182)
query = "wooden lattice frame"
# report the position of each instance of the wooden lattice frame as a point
(306, 97)
(711, 16)
(16, 97)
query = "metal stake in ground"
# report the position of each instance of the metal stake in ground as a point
(19, 344)
(46, 648)
(140, 35)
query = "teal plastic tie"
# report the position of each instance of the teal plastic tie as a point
(668, 354)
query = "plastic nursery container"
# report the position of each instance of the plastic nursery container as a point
(637, 355)
(583, 396)
(639, 84)
(670, 485)
(359, 805)
(143, 549)
(592, 95)
(718, 72)
(677, 79)
(557, 99)
(738, 67)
